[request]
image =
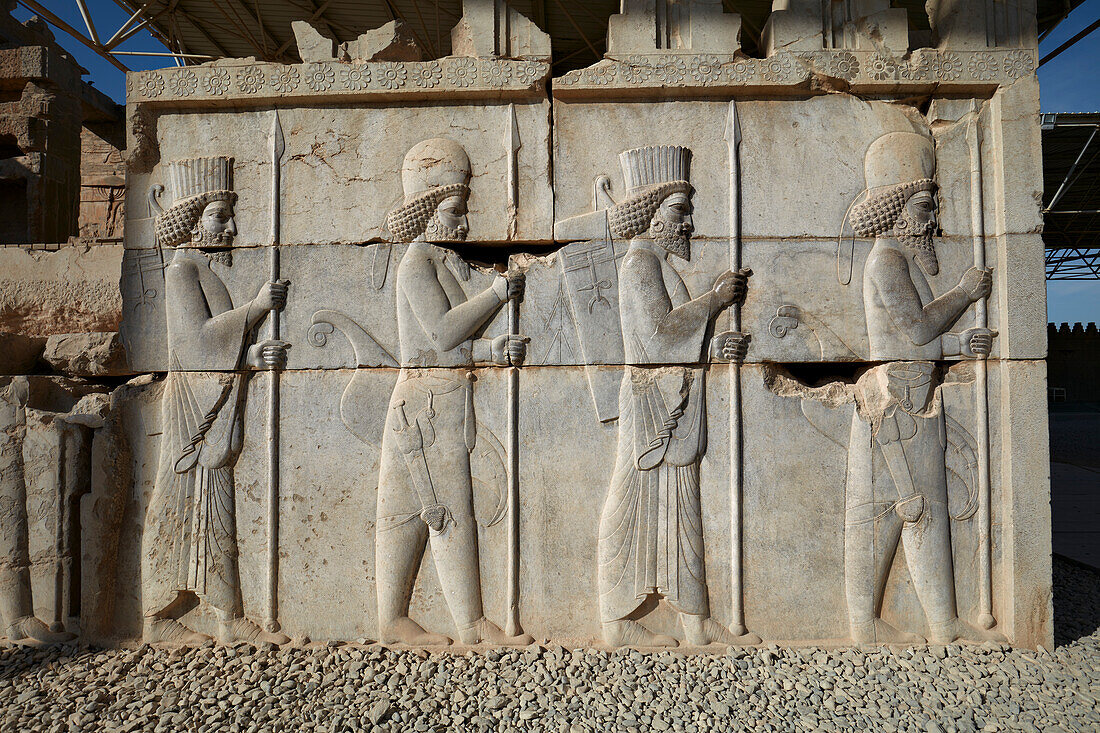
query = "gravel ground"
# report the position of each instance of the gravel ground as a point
(348, 688)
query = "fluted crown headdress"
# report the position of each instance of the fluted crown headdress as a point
(653, 164)
(187, 178)
(194, 184)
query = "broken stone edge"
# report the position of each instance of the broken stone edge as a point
(859, 71)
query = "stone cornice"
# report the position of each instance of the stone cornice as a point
(243, 81)
(842, 70)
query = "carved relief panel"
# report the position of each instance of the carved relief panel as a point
(730, 344)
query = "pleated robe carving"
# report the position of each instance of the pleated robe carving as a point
(651, 531)
(190, 538)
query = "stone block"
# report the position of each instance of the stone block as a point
(493, 28)
(394, 41)
(966, 24)
(86, 354)
(798, 25)
(793, 579)
(312, 46)
(796, 309)
(69, 290)
(696, 26)
(337, 158)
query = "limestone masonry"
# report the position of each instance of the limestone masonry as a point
(685, 348)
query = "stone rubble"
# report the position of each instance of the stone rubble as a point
(355, 687)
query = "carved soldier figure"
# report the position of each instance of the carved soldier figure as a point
(651, 534)
(16, 606)
(900, 417)
(424, 488)
(189, 545)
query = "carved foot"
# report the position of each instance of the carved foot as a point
(404, 630)
(625, 632)
(32, 629)
(958, 630)
(703, 630)
(170, 631)
(485, 631)
(878, 631)
(238, 629)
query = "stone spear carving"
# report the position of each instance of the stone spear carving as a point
(511, 619)
(271, 619)
(981, 377)
(725, 347)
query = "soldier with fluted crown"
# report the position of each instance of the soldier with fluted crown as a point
(651, 533)
(189, 544)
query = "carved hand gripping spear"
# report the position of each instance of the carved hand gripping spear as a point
(733, 144)
(271, 615)
(981, 377)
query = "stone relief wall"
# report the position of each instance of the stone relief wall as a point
(685, 348)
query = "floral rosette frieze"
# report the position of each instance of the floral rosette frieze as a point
(262, 81)
(872, 70)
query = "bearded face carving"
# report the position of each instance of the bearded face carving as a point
(915, 227)
(671, 226)
(448, 223)
(215, 227)
(435, 176)
(201, 214)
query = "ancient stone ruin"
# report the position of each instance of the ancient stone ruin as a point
(685, 348)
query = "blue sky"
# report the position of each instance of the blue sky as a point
(1069, 83)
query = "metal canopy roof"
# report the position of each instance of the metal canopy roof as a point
(1071, 208)
(202, 29)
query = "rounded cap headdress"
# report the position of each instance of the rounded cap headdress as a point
(433, 163)
(899, 157)
(895, 166)
(433, 170)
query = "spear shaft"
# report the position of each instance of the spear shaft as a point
(733, 143)
(271, 616)
(511, 616)
(981, 380)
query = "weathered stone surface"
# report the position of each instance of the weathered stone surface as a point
(68, 290)
(392, 42)
(338, 158)
(796, 25)
(493, 28)
(86, 354)
(312, 46)
(699, 26)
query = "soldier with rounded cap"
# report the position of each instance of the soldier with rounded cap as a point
(900, 418)
(189, 544)
(425, 492)
(651, 532)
